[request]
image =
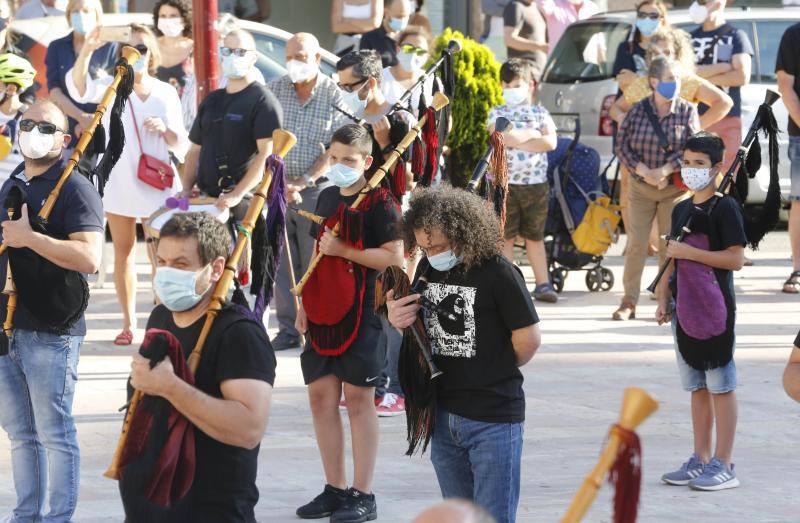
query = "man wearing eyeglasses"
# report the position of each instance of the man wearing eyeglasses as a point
(232, 134)
(37, 376)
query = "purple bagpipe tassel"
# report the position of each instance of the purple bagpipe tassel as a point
(268, 238)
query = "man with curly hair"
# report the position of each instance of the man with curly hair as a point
(476, 446)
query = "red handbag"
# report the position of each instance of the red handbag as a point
(152, 171)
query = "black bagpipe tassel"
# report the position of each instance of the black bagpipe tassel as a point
(4, 344)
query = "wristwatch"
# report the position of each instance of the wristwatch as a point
(310, 182)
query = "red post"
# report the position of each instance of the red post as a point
(206, 44)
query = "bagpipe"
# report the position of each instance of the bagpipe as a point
(169, 471)
(494, 188)
(56, 297)
(622, 458)
(748, 160)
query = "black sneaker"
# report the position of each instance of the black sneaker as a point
(357, 508)
(283, 341)
(323, 505)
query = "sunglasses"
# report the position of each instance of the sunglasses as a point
(349, 88)
(44, 127)
(227, 51)
(408, 48)
(652, 16)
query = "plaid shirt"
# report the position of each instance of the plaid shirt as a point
(638, 142)
(313, 123)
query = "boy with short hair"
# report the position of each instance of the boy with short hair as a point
(696, 295)
(345, 349)
(533, 134)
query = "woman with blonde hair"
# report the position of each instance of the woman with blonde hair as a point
(154, 127)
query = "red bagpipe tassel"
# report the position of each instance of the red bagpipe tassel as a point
(499, 176)
(626, 476)
(430, 138)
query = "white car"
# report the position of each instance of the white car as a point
(578, 79)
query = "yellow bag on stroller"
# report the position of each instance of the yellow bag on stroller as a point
(598, 229)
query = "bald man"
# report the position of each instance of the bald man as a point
(308, 98)
(232, 134)
(37, 375)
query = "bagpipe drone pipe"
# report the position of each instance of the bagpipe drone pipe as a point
(56, 297)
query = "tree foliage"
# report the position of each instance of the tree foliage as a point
(477, 90)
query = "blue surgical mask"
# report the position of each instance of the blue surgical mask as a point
(355, 104)
(140, 65)
(668, 90)
(516, 95)
(646, 26)
(236, 66)
(398, 24)
(444, 261)
(83, 23)
(343, 176)
(177, 289)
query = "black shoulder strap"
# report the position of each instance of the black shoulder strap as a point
(656, 125)
(222, 140)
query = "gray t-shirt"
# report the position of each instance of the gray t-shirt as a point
(532, 26)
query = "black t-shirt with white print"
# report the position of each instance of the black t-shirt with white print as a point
(480, 380)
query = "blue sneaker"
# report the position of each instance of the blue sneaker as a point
(690, 470)
(545, 292)
(716, 476)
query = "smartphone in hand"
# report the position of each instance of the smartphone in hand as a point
(120, 33)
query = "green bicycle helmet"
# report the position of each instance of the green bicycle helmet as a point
(16, 70)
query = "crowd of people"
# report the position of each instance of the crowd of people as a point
(678, 118)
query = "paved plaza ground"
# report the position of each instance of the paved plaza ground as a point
(573, 388)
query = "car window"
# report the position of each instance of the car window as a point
(586, 52)
(769, 38)
(274, 48)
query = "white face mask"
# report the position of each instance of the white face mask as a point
(698, 13)
(696, 178)
(516, 95)
(354, 103)
(301, 71)
(35, 145)
(411, 62)
(236, 66)
(171, 26)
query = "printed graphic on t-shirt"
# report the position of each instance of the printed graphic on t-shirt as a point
(722, 52)
(451, 336)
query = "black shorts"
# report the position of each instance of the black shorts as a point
(361, 364)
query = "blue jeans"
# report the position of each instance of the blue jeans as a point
(37, 384)
(479, 461)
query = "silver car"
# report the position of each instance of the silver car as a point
(578, 79)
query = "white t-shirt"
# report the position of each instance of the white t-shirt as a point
(393, 90)
(525, 168)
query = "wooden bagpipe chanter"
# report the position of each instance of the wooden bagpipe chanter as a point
(156, 446)
(56, 297)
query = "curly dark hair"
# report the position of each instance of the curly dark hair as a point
(464, 218)
(185, 8)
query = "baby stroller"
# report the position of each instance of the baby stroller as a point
(573, 171)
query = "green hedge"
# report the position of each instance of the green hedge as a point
(477, 90)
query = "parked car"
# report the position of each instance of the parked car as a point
(578, 79)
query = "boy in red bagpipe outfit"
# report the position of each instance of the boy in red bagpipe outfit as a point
(345, 348)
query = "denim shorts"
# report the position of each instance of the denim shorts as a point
(717, 381)
(794, 156)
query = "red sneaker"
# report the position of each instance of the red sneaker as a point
(390, 405)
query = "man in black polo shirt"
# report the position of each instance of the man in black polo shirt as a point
(396, 14)
(229, 401)
(37, 376)
(232, 134)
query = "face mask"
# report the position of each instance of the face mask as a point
(696, 178)
(354, 103)
(236, 66)
(515, 96)
(171, 26)
(444, 261)
(35, 145)
(646, 26)
(83, 23)
(301, 71)
(698, 13)
(176, 288)
(668, 90)
(343, 176)
(411, 62)
(140, 64)
(398, 24)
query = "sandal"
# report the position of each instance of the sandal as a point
(124, 338)
(792, 283)
(626, 311)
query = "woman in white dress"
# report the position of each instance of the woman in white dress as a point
(155, 107)
(352, 18)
